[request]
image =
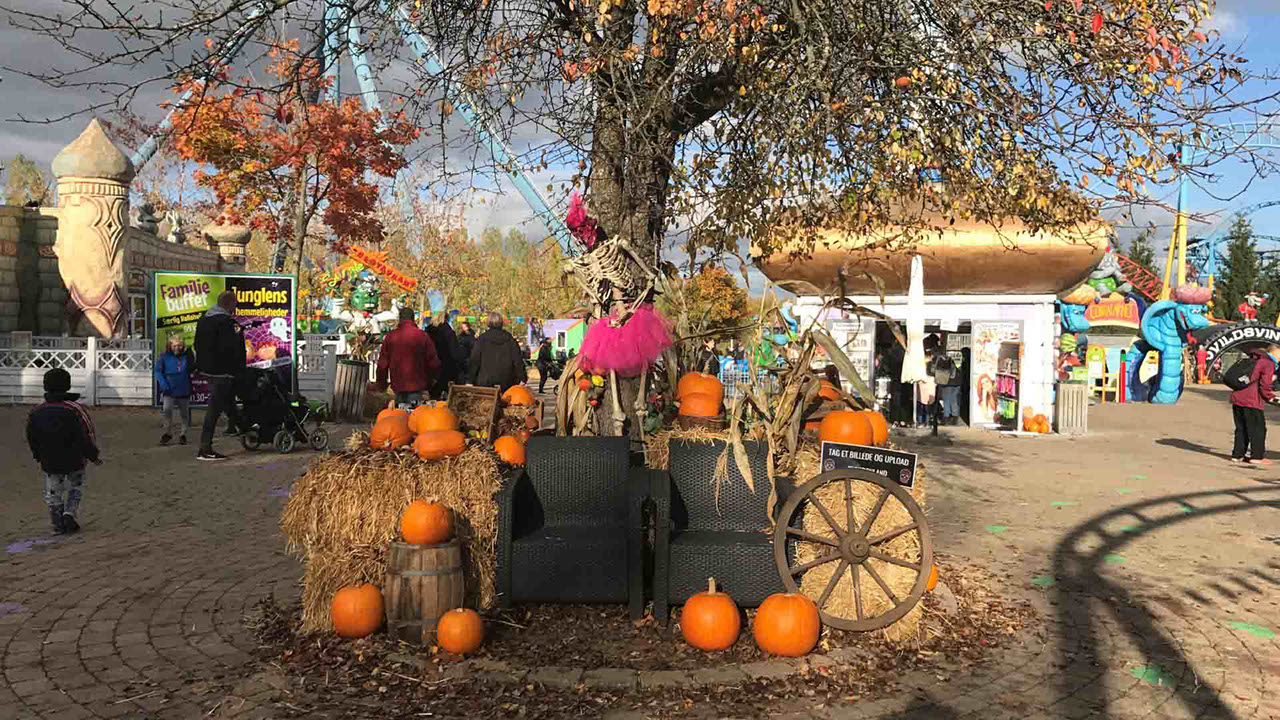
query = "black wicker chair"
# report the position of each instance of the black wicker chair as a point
(569, 524)
(699, 535)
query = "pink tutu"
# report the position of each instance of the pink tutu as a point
(628, 350)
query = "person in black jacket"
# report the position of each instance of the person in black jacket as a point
(496, 358)
(466, 343)
(220, 356)
(545, 364)
(446, 342)
(62, 438)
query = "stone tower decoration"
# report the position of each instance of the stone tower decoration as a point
(93, 196)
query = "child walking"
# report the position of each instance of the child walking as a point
(173, 376)
(61, 437)
(1247, 406)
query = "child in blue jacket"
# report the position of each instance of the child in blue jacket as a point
(173, 376)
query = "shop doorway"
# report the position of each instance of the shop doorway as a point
(898, 401)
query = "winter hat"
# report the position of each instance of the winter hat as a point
(57, 380)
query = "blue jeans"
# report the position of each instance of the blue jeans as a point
(949, 396)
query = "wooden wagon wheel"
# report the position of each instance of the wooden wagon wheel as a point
(853, 547)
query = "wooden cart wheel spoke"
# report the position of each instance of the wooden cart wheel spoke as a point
(826, 515)
(848, 505)
(830, 557)
(875, 512)
(887, 536)
(895, 561)
(857, 591)
(831, 585)
(876, 576)
(811, 537)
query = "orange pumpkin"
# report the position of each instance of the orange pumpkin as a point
(584, 383)
(699, 405)
(1041, 419)
(460, 631)
(827, 391)
(710, 620)
(436, 444)
(390, 433)
(933, 578)
(356, 610)
(426, 523)
(510, 450)
(518, 395)
(392, 412)
(426, 418)
(879, 427)
(787, 625)
(695, 383)
(846, 426)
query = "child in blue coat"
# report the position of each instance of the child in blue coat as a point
(173, 376)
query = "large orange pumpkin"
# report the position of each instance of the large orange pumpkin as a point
(787, 624)
(879, 427)
(426, 418)
(390, 433)
(426, 523)
(392, 412)
(436, 444)
(699, 405)
(460, 631)
(518, 395)
(695, 383)
(846, 426)
(827, 391)
(356, 610)
(710, 620)
(509, 449)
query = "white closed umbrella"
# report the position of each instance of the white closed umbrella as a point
(913, 367)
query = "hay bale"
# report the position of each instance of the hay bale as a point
(344, 512)
(906, 547)
(657, 447)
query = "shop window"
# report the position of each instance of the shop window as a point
(138, 316)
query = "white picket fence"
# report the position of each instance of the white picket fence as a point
(118, 372)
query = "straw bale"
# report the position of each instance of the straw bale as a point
(657, 447)
(344, 512)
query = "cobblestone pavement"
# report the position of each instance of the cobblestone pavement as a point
(1156, 565)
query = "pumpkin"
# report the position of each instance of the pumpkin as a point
(710, 620)
(390, 433)
(879, 427)
(356, 610)
(902, 81)
(846, 426)
(827, 391)
(518, 395)
(460, 631)
(426, 523)
(695, 383)
(787, 625)
(426, 418)
(1041, 423)
(510, 450)
(436, 444)
(933, 578)
(700, 405)
(392, 412)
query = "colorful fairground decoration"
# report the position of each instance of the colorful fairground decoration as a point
(1114, 310)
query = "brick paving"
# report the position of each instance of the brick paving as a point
(1154, 563)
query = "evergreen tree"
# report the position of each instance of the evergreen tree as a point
(1242, 271)
(1143, 253)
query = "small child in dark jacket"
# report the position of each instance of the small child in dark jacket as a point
(173, 377)
(61, 437)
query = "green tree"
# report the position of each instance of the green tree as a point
(26, 182)
(1143, 252)
(1242, 270)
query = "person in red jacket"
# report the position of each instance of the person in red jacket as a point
(1247, 406)
(409, 357)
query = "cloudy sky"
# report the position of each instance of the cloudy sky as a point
(26, 105)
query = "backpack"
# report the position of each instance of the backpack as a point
(944, 369)
(1240, 375)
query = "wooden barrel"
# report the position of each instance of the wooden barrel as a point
(423, 583)
(350, 384)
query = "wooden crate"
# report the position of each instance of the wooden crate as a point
(468, 398)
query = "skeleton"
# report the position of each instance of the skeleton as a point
(176, 235)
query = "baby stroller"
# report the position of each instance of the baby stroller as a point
(277, 416)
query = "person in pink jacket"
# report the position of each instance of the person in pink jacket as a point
(1247, 408)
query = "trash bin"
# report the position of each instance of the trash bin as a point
(1072, 411)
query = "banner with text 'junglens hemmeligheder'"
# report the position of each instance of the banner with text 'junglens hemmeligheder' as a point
(265, 310)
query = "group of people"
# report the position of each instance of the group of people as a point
(947, 383)
(417, 363)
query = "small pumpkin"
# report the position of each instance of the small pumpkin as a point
(879, 427)
(390, 433)
(846, 426)
(933, 578)
(787, 625)
(1041, 424)
(828, 391)
(696, 383)
(460, 631)
(518, 395)
(699, 405)
(710, 620)
(426, 523)
(510, 450)
(436, 444)
(584, 383)
(356, 610)
(392, 412)
(426, 418)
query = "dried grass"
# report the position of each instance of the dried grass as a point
(345, 511)
(906, 547)
(657, 447)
